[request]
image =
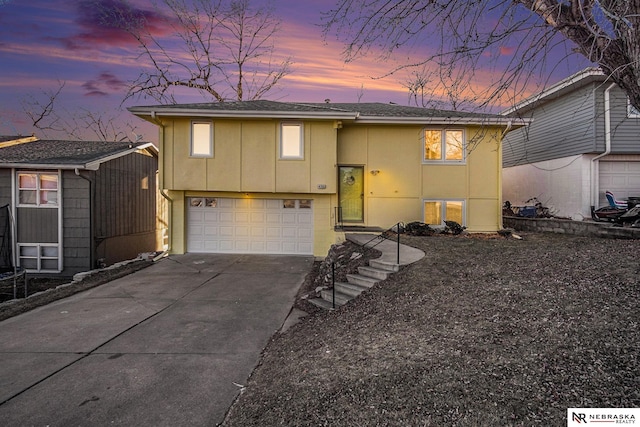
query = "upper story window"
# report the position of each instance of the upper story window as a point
(291, 141)
(37, 189)
(444, 145)
(201, 139)
(632, 111)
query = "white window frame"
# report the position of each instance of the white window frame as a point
(38, 190)
(284, 155)
(632, 112)
(197, 147)
(39, 257)
(443, 146)
(443, 209)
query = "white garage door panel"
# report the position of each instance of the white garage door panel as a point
(250, 226)
(622, 178)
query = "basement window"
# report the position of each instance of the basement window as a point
(436, 212)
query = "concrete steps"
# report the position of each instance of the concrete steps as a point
(366, 278)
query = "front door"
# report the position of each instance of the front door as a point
(351, 193)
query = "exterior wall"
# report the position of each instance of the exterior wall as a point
(125, 208)
(562, 185)
(625, 131)
(5, 186)
(560, 128)
(397, 192)
(76, 224)
(246, 158)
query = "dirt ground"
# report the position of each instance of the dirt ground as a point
(484, 331)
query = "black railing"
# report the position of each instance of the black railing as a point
(368, 246)
(339, 225)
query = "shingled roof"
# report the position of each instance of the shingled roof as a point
(375, 112)
(60, 154)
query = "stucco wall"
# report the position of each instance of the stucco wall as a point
(562, 185)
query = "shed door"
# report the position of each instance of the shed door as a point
(256, 226)
(621, 178)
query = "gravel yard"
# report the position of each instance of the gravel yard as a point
(484, 331)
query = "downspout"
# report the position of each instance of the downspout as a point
(500, 201)
(595, 169)
(92, 231)
(161, 183)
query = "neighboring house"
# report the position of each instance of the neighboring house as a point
(79, 204)
(289, 178)
(584, 139)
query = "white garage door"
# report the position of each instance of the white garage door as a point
(255, 226)
(622, 178)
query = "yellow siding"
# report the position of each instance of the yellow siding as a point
(223, 173)
(323, 153)
(259, 151)
(246, 158)
(397, 192)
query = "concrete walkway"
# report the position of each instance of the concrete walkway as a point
(170, 345)
(388, 248)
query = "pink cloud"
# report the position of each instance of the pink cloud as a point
(506, 50)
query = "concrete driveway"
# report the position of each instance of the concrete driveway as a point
(170, 345)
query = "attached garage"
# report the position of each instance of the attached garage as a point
(620, 177)
(253, 226)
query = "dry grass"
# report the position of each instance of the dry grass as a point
(482, 332)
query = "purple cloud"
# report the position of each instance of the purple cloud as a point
(105, 22)
(103, 85)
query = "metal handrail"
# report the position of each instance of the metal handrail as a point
(380, 238)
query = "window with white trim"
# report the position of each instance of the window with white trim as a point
(436, 212)
(444, 145)
(39, 257)
(201, 139)
(37, 189)
(291, 141)
(632, 112)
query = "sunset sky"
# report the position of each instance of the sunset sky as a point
(46, 42)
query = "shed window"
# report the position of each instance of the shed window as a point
(436, 212)
(38, 189)
(444, 145)
(291, 141)
(39, 257)
(201, 139)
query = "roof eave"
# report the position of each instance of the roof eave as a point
(234, 114)
(445, 121)
(93, 165)
(567, 85)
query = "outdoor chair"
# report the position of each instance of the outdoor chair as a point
(616, 203)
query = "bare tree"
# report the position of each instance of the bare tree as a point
(51, 120)
(223, 49)
(512, 38)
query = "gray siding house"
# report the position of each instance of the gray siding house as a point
(77, 204)
(584, 139)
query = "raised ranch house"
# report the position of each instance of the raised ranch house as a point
(79, 204)
(584, 139)
(289, 178)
